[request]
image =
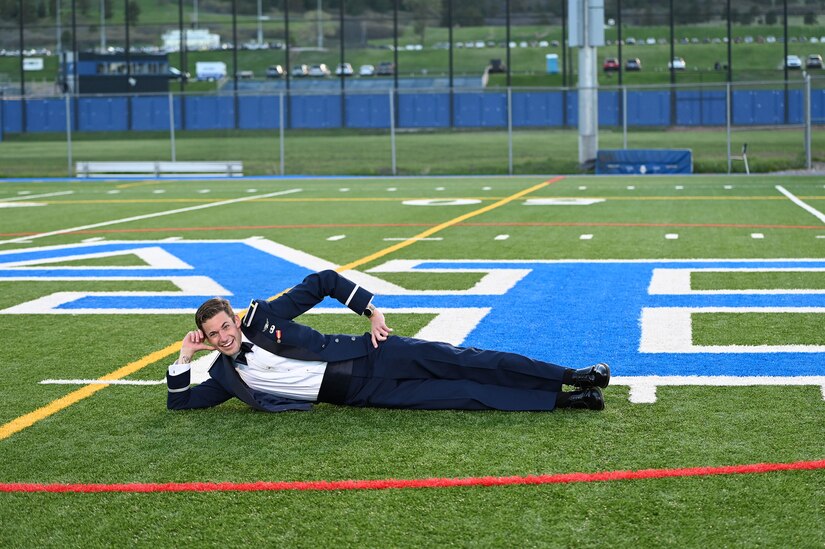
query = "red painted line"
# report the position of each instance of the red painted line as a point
(387, 484)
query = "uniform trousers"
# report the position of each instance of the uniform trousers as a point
(417, 374)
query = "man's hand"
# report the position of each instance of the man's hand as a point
(193, 342)
(378, 328)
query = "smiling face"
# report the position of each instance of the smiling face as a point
(223, 332)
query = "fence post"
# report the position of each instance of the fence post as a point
(624, 117)
(281, 120)
(172, 126)
(727, 121)
(68, 132)
(509, 129)
(808, 158)
(392, 131)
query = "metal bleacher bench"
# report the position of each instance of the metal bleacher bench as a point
(159, 169)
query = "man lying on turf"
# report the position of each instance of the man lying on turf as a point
(275, 364)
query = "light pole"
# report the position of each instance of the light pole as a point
(59, 29)
(102, 26)
(260, 29)
(320, 27)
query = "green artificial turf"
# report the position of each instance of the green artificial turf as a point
(126, 434)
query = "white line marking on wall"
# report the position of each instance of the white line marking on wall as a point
(810, 209)
(337, 237)
(502, 237)
(671, 236)
(148, 216)
(586, 237)
(757, 236)
(29, 196)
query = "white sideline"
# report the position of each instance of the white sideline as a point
(30, 196)
(147, 216)
(808, 208)
(642, 388)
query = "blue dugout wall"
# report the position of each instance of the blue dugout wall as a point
(415, 110)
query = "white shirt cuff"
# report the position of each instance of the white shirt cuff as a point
(176, 369)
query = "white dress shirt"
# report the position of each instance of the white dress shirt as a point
(275, 375)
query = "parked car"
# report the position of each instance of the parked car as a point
(678, 64)
(320, 70)
(366, 70)
(274, 71)
(633, 64)
(343, 69)
(610, 64)
(385, 69)
(496, 66)
(300, 71)
(793, 62)
(177, 74)
(245, 74)
(814, 61)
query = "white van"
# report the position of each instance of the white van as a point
(210, 70)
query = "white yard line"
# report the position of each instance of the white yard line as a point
(147, 216)
(642, 388)
(30, 196)
(810, 209)
(102, 382)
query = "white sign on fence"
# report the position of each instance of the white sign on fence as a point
(33, 64)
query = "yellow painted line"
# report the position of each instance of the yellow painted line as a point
(22, 422)
(447, 224)
(62, 403)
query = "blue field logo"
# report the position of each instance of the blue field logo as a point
(636, 315)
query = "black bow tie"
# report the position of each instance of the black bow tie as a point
(245, 348)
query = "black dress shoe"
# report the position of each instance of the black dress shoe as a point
(586, 399)
(592, 376)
